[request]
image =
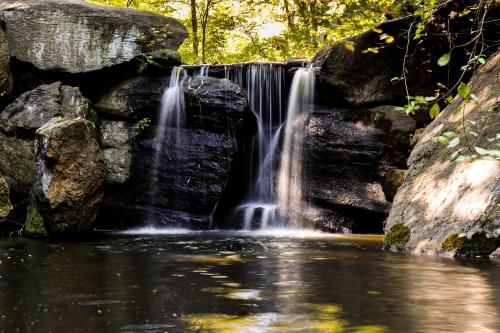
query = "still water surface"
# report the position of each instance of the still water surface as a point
(240, 282)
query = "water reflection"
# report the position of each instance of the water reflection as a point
(207, 282)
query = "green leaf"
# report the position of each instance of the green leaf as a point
(449, 99)
(444, 59)
(481, 151)
(349, 45)
(441, 139)
(434, 111)
(453, 143)
(457, 109)
(455, 155)
(450, 134)
(463, 90)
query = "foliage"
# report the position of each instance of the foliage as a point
(275, 30)
(142, 124)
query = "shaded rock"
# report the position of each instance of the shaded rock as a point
(366, 69)
(193, 167)
(216, 105)
(453, 207)
(392, 180)
(134, 99)
(345, 155)
(5, 205)
(70, 175)
(117, 138)
(416, 136)
(160, 61)
(17, 165)
(76, 37)
(6, 82)
(392, 120)
(35, 108)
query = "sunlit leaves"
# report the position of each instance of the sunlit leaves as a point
(434, 110)
(444, 59)
(370, 49)
(387, 38)
(349, 45)
(463, 90)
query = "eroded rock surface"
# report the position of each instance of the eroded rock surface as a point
(70, 175)
(5, 72)
(75, 36)
(36, 107)
(5, 205)
(453, 207)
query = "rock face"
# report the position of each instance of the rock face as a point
(133, 99)
(453, 207)
(34, 108)
(195, 161)
(5, 205)
(366, 69)
(117, 139)
(17, 165)
(76, 37)
(346, 153)
(70, 175)
(5, 73)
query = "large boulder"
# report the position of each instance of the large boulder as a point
(5, 73)
(194, 165)
(34, 108)
(75, 36)
(367, 69)
(17, 165)
(453, 207)
(70, 176)
(5, 205)
(133, 99)
(346, 153)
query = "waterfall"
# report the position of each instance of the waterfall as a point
(289, 182)
(264, 84)
(274, 195)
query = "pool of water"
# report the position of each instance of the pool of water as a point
(181, 281)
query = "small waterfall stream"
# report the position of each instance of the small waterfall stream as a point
(274, 195)
(289, 183)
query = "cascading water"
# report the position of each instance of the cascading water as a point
(171, 113)
(289, 183)
(264, 84)
(274, 194)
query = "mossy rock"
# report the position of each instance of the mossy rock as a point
(397, 236)
(478, 244)
(35, 225)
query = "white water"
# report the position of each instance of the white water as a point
(274, 198)
(264, 84)
(289, 183)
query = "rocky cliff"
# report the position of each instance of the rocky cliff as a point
(450, 200)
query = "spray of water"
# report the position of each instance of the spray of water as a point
(289, 183)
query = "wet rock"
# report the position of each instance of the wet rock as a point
(17, 165)
(116, 138)
(5, 72)
(35, 108)
(392, 180)
(194, 165)
(495, 254)
(77, 37)
(452, 207)
(222, 105)
(344, 155)
(70, 175)
(5, 205)
(133, 99)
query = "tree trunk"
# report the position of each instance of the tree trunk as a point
(289, 16)
(194, 28)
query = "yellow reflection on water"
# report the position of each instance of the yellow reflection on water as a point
(310, 317)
